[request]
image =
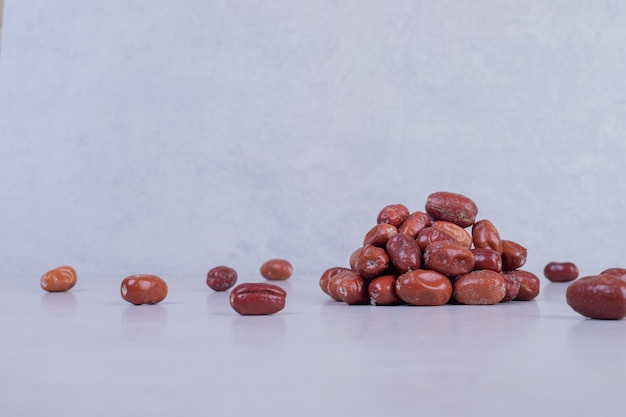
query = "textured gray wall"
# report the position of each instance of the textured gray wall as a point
(170, 137)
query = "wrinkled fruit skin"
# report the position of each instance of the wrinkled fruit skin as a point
(58, 279)
(485, 235)
(424, 288)
(221, 278)
(529, 284)
(513, 286)
(404, 253)
(354, 257)
(255, 299)
(276, 270)
(335, 280)
(328, 274)
(459, 234)
(598, 297)
(429, 235)
(143, 289)
(483, 287)
(513, 255)
(379, 234)
(382, 291)
(485, 258)
(452, 207)
(371, 262)
(353, 290)
(448, 258)
(393, 214)
(414, 223)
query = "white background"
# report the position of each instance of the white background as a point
(174, 135)
(168, 137)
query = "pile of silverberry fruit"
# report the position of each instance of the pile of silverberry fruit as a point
(433, 257)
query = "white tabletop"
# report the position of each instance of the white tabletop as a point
(88, 352)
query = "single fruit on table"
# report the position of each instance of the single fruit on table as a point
(276, 269)
(58, 279)
(560, 271)
(254, 299)
(221, 278)
(143, 289)
(598, 297)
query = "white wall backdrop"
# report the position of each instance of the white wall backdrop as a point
(172, 136)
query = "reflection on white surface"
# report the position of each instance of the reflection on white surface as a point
(144, 323)
(258, 332)
(59, 303)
